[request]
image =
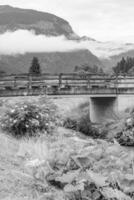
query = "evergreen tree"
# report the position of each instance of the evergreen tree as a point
(101, 71)
(124, 65)
(35, 67)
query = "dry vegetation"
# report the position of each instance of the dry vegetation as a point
(64, 166)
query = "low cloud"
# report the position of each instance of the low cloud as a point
(23, 41)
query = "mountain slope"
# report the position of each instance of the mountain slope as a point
(50, 62)
(42, 23)
(112, 60)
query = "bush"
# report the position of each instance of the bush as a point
(126, 135)
(27, 119)
(126, 138)
(84, 125)
(70, 123)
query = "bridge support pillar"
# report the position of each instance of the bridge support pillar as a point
(105, 108)
(102, 108)
(125, 102)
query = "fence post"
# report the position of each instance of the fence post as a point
(116, 85)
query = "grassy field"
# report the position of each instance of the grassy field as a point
(59, 167)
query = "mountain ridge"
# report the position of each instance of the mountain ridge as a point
(13, 18)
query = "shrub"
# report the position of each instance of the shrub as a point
(84, 125)
(126, 135)
(28, 118)
(70, 123)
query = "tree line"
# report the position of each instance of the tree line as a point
(88, 69)
(35, 68)
(124, 66)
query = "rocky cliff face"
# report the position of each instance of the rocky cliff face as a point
(42, 23)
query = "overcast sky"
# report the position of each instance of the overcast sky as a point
(103, 20)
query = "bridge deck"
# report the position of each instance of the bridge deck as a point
(91, 93)
(65, 84)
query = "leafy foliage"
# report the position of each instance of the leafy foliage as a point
(85, 170)
(70, 123)
(84, 125)
(126, 136)
(28, 118)
(88, 69)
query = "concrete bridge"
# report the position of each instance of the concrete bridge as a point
(109, 107)
(107, 96)
(103, 106)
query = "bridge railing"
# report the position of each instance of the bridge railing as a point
(34, 92)
(18, 92)
(31, 92)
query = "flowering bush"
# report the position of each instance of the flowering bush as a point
(28, 118)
